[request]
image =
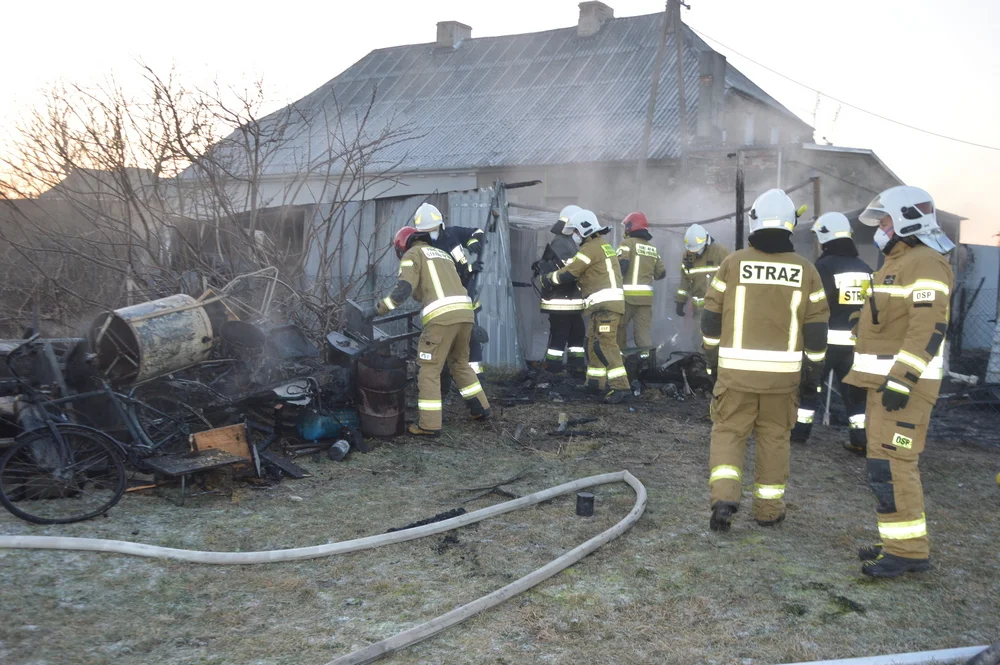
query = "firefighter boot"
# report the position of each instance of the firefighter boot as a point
(617, 396)
(417, 430)
(722, 516)
(477, 412)
(869, 552)
(857, 443)
(777, 520)
(889, 565)
(800, 433)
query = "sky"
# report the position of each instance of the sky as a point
(927, 63)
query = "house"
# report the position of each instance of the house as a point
(566, 107)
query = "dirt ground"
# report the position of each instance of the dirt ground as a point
(668, 591)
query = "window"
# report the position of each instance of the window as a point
(775, 135)
(748, 129)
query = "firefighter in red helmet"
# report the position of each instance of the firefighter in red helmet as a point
(641, 266)
(428, 275)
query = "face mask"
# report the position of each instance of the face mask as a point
(577, 238)
(435, 233)
(882, 239)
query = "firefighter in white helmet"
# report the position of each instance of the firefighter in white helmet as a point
(562, 304)
(845, 277)
(765, 321)
(595, 268)
(899, 358)
(701, 260)
(457, 240)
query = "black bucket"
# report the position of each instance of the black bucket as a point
(382, 395)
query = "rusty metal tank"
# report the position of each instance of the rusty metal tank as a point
(382, 395)
(141, 342)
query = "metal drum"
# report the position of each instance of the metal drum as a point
(382, 395)
(151, 339)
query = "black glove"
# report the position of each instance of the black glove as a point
(688, 261)
(477, 266)
(535, 269)
(547, 281)
(892, 398)
(680, 308)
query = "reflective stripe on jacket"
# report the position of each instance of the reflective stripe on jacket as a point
(436, 285)
(644, 266)
(765, 300)
(901, 331)
(595, 269)
(696, 279)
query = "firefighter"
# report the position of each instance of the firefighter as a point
(563, 304)
(456, 240)
(765, 310)
(701, 260)
(641, 265)
(899, 358)
(845, 277)
(428, 274)
(595, 268)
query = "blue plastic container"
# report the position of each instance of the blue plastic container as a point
(314, 426)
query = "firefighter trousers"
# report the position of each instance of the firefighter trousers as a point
(442, 345)
(641, 318)
(696, 336)
(839, 358)
(735, 414)
(896, 440)
(476, 349)
(604, 359)
(567, 341)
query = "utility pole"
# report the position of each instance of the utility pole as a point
(816, 210)
(740, 197)
(675, 10)
(640, 174)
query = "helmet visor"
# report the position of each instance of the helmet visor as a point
(873, 216)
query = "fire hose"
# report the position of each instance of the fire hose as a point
(417, 633)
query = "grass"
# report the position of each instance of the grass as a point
(668, 591)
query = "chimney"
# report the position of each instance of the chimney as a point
(711, 96)
(593, 15)
(451, 33)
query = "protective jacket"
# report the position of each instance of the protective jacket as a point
(845, 277)
(428, 274)
(452, 239)
(595, 269)
(697, 273)
(762, 312)
(902, 326)
(640, 265)
(559, 297)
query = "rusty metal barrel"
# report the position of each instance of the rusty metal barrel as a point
(151, 339)
(382, 395)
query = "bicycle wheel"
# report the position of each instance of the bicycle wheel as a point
(166, 422)
(45, 481)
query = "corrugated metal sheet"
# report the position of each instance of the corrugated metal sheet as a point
(542, 98)
(496, 291)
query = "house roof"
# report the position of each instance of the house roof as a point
(853, 151)
(539, 98)
(96, 182)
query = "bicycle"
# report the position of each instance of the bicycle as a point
(59, 471)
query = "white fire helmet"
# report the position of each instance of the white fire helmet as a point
(773, 210)
(832, 226)
(568, 212)
(696, 239)
(913, 214)
(427, 218)
(583, 222)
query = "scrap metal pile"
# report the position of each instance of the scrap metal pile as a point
(181, 390)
